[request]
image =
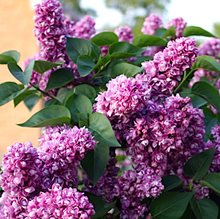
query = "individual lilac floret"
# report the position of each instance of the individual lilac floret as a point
(21, 173)
(124, 34)
(151, 24)
(85, 28)
(50, 30)
(134, 187)
(61, 149)
(60, 203)
(179, 24)
(165, 71)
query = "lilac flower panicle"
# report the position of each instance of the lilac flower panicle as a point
(50, 30)
(124, 34)
(61, 149)
(84, 28)
(58, 202)
(151, 24)
(21, 173)
(179, 24)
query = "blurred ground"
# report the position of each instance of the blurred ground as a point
(16, 32)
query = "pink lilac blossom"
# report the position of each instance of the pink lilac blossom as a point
(61, 149)
(50, 30)
(21, 173)
(164, 72)
(124, 34)
(179, 24)
(85, 28)
(134, 186)
(151, 24)
(60, 203)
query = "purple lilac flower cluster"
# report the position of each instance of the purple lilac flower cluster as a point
(164, 72)
(151, 24)
(179, 24)
(27, 171)
(60, 203)
(124, 34)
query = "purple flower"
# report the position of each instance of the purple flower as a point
(179, 24)
(61, 149)
(50, 30)
(85, 28)
(151, 24)
(21, 173)
(124, 34)
(60, 203)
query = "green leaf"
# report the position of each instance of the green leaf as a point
(85, 65)
(126, 69)
(101, 207)
(149, 40)
(198, 165)
(105, 38)
(22, 96)
(100, 125)
(76, 47)
(80, 107)
(42, 66)
(170, 205)
(86, 90)
(206, 62)
(60, 78)
(212, 181)
(23, 77)
(196, 31)
(171, 182)
(11, 56)
(8, 91)
(95, 162)
(205, 208)
(207, 92)
(49, 116)
(123, 50)
(31, 100)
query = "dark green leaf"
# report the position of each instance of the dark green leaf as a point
(212, 180)
(85, 65)
(170, 205)
(60, 78)
(105, 38)
(126, 69)
(100, 125)
(42, 66)
(171, 182)
(22, 96)
(49, 116)
(207, 92)
(63, 94)
(206, 62)
(8, 91)
(123, 50)
(101, 207)
(86, 90)
(149, 40)
(23, 77)
(76, 47)
(80, 107)
(11, 56)
(204, 209)
(198, 165)
(196, 31)
(95, 162)
(31, 100)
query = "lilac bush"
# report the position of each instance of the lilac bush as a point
(130, 124)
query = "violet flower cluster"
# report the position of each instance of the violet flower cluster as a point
(28, 171)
